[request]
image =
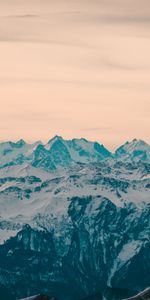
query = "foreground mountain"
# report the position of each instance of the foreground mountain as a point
(77, 230)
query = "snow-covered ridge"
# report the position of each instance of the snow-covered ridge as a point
(59, 153)
(27, 191)
(55, 154)
(135, 150)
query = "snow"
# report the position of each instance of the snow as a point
(125, 255)
(76, 146)
(13, 151)
(31, 298)
(25, 169)
(128, 251)
(134, 150)
(112, 185)
(5, 234)
(103, 181)
(135, 145)
(138, 196)
(54, 196)
(146, 177)
(7, 185)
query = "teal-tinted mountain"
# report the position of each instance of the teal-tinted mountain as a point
(55, 154)
(135, 150)
(74, 220)
(59, 153)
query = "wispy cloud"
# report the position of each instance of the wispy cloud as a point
(96, 129)
(20, 16)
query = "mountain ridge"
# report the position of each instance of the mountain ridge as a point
(74, 228)
(60, 153)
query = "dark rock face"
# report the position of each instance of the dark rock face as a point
(108, 246)
(145, 295)
(118, 293)
(40, 297)
(97, 296)
(5, 293)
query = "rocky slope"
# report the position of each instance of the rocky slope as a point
(145, 295)
(39, 297)
(79, 229)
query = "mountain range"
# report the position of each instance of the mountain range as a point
(59, 153)
(74, 219)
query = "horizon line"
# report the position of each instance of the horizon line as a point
(41, 141)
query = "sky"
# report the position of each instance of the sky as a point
(75, 68)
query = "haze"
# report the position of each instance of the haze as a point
(75, 68)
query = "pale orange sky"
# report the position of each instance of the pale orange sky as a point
(76, 68)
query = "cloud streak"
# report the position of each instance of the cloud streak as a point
(97, 129)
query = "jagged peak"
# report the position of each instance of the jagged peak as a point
(21, 142)
(138, 142)
(81, 139)
(134, 144)
(39, 147)
(136, 149)
(55, 138)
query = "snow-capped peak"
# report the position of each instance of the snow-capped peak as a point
(20, 143)
(79, 150)
(134, 150)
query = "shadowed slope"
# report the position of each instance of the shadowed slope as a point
(39, 297)
(145, 295)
